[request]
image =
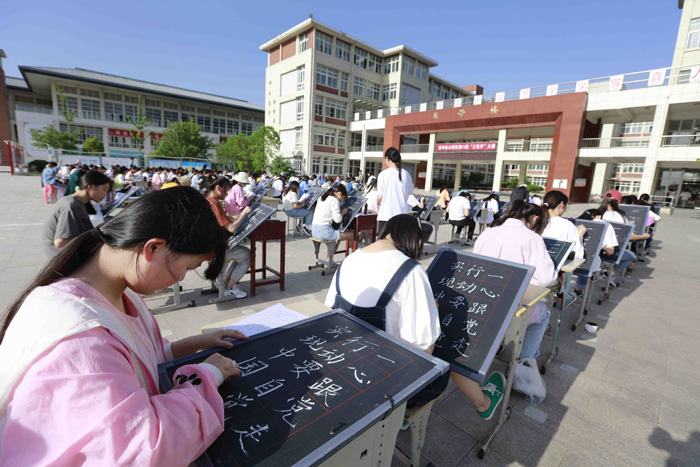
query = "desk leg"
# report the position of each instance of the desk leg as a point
(606, 288)
(517, 339)
(263, 265)
(177, 303)
(584, 305)
(550, 302)
(253, 255)
(282, 257)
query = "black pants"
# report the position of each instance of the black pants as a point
(467, 221)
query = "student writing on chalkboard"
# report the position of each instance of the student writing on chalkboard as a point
(488, 209)
(610, 244)
(79, 348)
(553, 207)
(458, 212)
(293, 207)
(610, 208)
(327, 214)
(216, 190)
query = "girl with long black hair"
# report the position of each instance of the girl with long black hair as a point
(79, 348)
(394, 186)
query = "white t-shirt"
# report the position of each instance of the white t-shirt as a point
(394, 193)
(609, 238)
(613, 216)
(277, 186)
(411, 315)
(563, 229)
(457, 206)
(327, 211)
(289, 199)
(491, 208)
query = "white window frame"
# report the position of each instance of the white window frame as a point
(324, 42)
(391, 64)
(300, 108)
(693, 41)
(336, 109)
(408, 65)
(326, 76)
(303, 42)
(301, 77)
(421, 71)
(358, 86)
(342, 50)
(361, 57)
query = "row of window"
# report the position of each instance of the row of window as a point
(330, 165)
(334, 108)
(635, 168)
(329, 137)
(329, 77)
(634, 128)
(441, 91)
(625, 186)
(90, 108)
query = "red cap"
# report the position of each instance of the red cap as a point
(614, 194)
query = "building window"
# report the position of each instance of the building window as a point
(361, 57)
(300, 108)
(359, 86)
(170, 116)
(85, 132)
(152, 103)
(324, 136)
(445, 92)
(391, 65)
(693, 34)
(186, 117)
(342, 50)
(131, 99)
(635, 128)
(112, 96)
(130, 111)
(114, 111)
(155, 116)
(247, 128)
(303, 42)
(336, 109)
(316, 164)
(341, 139)
(173, 106)
(219, 125)
(375, 63)
(318, 105)
(333, 166)
(373, 91)
(297, 139)
(203, 121)
(91, 109)
(539, 181)
(408, 64)
(326, 76)
(301, 76)
(90, 93)
(71, 104)
(389, 92)
(422, 71)
(344, 82)
(624, 186)
(324, 43)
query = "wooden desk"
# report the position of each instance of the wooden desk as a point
(363, 223)
(268, 230)
(274, 202)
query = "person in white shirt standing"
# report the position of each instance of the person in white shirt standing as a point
(278, 187)
(394, 185)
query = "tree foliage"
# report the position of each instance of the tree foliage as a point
(139, 124)
(183, 140)
(252, 153)
(93, 145)
(282, 165)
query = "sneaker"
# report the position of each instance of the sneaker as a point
(494, 390)
(579, 294)
(469, 243)
(613, 280)
(236, 292)
(306, 230)
(405, 425)
(570, 298)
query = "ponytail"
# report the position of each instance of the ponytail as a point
(338, 189)
(180, 215)
(392, 154)
(614, 206)
(551, 200)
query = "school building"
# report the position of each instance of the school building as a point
(636, 132)
(101, 103)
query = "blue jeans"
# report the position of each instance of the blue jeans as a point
(307, 214)
(535, 332)
(627, 258)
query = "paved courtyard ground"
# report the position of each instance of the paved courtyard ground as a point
(628, 396)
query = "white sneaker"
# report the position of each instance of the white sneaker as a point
(236, 292)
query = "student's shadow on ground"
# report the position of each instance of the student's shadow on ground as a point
(681, 452)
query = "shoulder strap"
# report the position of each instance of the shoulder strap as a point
(395, 282)
(337, 279)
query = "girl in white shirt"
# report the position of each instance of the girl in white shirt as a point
(553, 206)
(394, 185)
(328, 212)
(294, 208)
(490, 204)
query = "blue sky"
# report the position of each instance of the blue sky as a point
(212, 46)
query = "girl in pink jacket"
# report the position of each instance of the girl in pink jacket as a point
(79, 349)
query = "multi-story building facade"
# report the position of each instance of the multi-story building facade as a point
(101, 103)
(636, 132)
(317, 78)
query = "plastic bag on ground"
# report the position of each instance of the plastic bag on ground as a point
(529, 382)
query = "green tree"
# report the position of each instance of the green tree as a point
(139, 123)
(281, 164)
(184, 139)
(93, 145)
(51, 138)
(250, 153)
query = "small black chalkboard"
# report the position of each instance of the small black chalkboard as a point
(261, 212)
(558, 250)
(502, 206)
(354, 205)
(309, 388)
(255, 200)
(636, 215)
(314, 194)
(592, 244)
(429, 203)
(477, 298)
(623, 232)
(262, 188)
(118, 202)
(474, 208)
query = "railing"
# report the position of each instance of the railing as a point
(368, 148)
(619, 142)
(415, 148)
(34, 109)
(680, 140)
(616, 83)
(355, 148)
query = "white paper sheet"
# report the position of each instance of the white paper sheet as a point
(304, 198)
(269, 318)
